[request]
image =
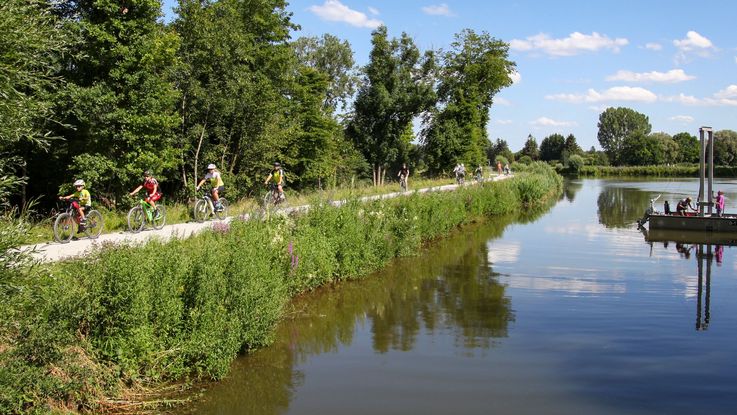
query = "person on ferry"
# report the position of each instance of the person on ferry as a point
(683, 206)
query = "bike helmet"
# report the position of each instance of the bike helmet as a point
(147, 173)
(277, 164)
(211, 166)
(79, 183)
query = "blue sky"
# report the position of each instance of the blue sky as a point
(674, 61)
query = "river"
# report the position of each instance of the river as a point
(569, 311)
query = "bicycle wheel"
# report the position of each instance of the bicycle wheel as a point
(159, 216)
(136, 219)
(64, 228)
(222, 213)
(201, 210)
(403, 185)
(94, 225)
(268, 200)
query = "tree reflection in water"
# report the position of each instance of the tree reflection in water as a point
(620, 207)
(449, 288)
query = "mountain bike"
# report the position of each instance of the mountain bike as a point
(403, 183)
(479, 178)
(273, 199)
(67, 224)
(144, 213)
(204, 207)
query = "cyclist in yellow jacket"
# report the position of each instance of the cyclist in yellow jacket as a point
(216, 183)
(81, 200)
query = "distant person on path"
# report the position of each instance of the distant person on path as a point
(506, 169)
(152, 189)
(404, 174)
(479, 173)
(499, 167)
(719, 200)
(81, 200)
(683, 206)
(277, 175)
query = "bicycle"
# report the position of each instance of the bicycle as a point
(479, 178)
(273, 198)
(460, 179)
(204, 208)
(144, 213)
(67, 224)
(403, 183)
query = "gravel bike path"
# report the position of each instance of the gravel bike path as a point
(53, 251)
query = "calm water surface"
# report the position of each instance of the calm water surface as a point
(570, 312)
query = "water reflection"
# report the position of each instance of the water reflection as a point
(453, 291)
(620, 207)
(570, 189)
(706, 248)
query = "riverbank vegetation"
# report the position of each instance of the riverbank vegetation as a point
(90, 334)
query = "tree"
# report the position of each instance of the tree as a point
(120, 102)
(616, 125)
(500, 148)
(333, 57)
(725, 148)
(688, 148)
(571, 146)
(639, 149)
(530, 149)
(237, 77)
(668, 146)
(473, 71)
(396, 88)
(551, 148)
(31, 45)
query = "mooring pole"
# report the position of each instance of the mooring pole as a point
(710, 188)
(702, 154)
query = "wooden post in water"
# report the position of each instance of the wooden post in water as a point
(710, 188)
(702, 153)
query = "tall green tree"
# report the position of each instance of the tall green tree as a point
(551, 148)
(688, 147)
(472, 72)
(571, 146)
(500, 148)
(668, 146)
(121, 101)
(530, 148)
(725, 147)
(616, 125)
(32, 43)
(397, 86)
(237, 74)
(639, 149)
(333, 57)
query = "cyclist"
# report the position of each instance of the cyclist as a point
(404, 175)
(277, 175)
(81, 200)
(479, 173)
(152, 189)
(216, 183)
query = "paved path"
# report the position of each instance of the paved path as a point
(53, 251)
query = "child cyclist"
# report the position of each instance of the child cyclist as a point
(277, 175)
(81, 200)
(152, 189)
(216, 183)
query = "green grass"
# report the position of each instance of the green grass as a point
(80, 331)
(679, 170)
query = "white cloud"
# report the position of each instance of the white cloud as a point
(683, 119)
(574, 44)
(515, 76)
(335, 11)
(503, 122)
(617, 93)
(693, 42)
(653, 46)
(549, 122)
(374, 11)
(438, 10)
(728, 92)
(672, 76)
(713, 101)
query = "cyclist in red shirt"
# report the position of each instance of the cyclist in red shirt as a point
(152, 189)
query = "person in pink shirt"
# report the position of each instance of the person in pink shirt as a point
(720, 203)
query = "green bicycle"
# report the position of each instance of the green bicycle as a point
(144, 213)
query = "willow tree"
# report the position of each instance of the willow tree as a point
(471, 73)
(397, 86)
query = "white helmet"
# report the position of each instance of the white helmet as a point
(211, 166)
(79, 183)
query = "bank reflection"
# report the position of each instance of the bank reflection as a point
(620, 207)
(707, 249)
(450, 289)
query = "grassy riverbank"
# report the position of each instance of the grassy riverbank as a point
(128, 318)
(679, 170)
